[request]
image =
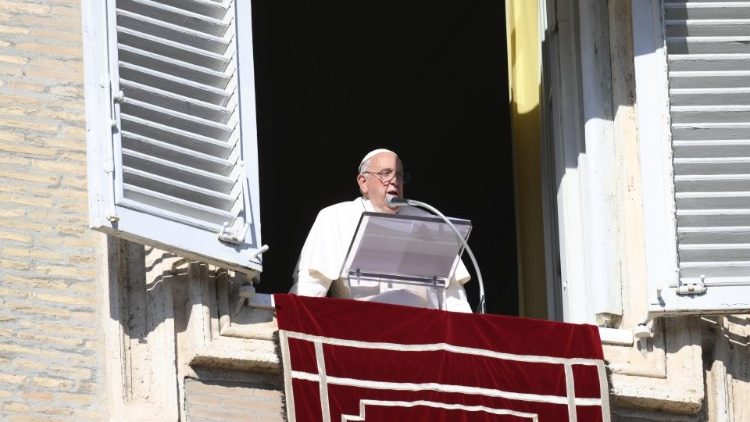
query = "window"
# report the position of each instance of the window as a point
(171, 130)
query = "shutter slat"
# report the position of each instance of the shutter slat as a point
(176, 154)
(175, 50)
(713, 200)
(175, 171)
(710, 79)
(709, 131)
(153, 113)
(183, 70)
(710, 97)
(189, 193)
(178, 137)
(176, 102)
(708, 62)
(715, 148)
(146, 25)
(216, 26)
(174, 84)
(735, 234)
(708, 27)
(214, 8)
(711, 113)
(159, 201)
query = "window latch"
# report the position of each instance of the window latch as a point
(692, 287)
(236, 233)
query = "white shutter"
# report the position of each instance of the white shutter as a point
(708, 51)
(171, 126)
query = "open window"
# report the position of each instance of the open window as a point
(171, 127)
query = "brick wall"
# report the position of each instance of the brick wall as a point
(220, 401)
(50, 335)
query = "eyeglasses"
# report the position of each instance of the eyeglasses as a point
(387, 175)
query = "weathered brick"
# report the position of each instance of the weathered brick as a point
(69, 300)
(28, 149)
(30, 364)
(60, 166)
(25, 86)
(67, 91)
(12, 379)
(49, 340)
(12, 212)
(73, 35)
(30, 253)
(57, 411)
(5, 29)
(65, 271)
(37, 395)
(16, 407)
(26, 418)
(18, 7)
(21, 98)
(13, 292)
(13, 59)
(40, 178)
(38, 310)
(29, 125)
(50, 50)
(14, 236)
(60, 328)
(5, 394)
(75, 398)
(68, 242)
(66, 11)
(14, 265)
(36, 282)
(75, 373)
(23, 224)
(14, 160)
(25, 199)
(52, 382)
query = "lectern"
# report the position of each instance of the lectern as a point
(419, 250)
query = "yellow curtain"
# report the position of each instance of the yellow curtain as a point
(524, 72)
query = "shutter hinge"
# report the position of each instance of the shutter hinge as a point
(235, 233)
(692, 287)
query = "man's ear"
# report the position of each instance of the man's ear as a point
(362, 182)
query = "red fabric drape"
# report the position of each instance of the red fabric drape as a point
(347, 360)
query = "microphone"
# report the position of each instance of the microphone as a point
(395, 202)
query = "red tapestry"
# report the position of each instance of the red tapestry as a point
(348, 360)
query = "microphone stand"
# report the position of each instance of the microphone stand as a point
(394, 201)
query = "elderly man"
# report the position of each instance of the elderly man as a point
(317, 273)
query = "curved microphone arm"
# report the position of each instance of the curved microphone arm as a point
(461, 238)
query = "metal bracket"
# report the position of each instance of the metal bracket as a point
(236, 233)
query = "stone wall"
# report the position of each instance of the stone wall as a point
(50, 331)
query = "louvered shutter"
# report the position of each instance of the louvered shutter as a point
(708, 47)
(171, 121)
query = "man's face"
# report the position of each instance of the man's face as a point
(374, 186)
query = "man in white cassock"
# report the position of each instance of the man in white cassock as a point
(317, 273)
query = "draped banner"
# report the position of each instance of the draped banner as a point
(348, 360)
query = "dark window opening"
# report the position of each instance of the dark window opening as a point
(428, 79)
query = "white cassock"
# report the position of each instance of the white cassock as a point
(324, 252)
